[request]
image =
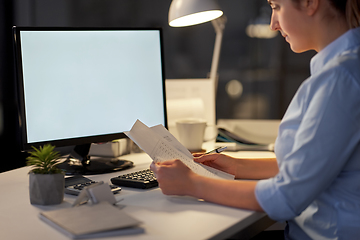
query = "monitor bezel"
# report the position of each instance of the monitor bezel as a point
(22, 128)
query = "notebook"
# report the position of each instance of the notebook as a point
(90, 221)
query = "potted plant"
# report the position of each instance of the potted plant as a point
(46, 181)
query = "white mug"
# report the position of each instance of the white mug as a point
(191, 133)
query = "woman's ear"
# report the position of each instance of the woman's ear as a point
(310, 6)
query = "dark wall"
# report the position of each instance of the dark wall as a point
(10, 154)
(268, 71)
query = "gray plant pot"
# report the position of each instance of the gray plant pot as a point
(46, 189)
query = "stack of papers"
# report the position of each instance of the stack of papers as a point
(236, 143)
(161, 145)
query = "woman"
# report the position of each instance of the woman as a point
(314, 182)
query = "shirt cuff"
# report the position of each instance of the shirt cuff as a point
(272, 200)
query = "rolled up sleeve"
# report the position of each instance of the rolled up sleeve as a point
(272, 201)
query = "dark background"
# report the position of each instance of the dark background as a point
(268, 71)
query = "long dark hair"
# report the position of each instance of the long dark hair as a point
(352, 12)
(349, 8)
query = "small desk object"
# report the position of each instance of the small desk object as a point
(162, 217)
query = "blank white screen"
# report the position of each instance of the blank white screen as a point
(88, 83)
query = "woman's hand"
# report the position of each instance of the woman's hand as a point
(174, 177)
(219, 161)
(242, 168)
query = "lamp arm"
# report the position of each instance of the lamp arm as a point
(219, 25)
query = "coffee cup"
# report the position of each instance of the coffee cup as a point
(191, 133)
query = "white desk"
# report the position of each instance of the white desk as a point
(163, 217)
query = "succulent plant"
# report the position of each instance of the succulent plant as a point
(44, 160)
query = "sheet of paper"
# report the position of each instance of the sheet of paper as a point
(160, 145)
(165, 134)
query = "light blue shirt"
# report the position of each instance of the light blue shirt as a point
(317, 190)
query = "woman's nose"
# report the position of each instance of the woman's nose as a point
(274, 23)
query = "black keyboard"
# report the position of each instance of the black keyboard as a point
(140, 179)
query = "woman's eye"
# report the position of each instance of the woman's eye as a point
(274, 7)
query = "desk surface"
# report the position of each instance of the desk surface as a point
(163, 217)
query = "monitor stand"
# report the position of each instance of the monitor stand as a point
(80, 163)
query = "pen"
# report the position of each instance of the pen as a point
(216, 150)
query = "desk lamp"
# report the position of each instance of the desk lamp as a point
(184, 13)
(196, 95)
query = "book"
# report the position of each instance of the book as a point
(91, 221)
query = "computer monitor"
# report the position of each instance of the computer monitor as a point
(78, 86)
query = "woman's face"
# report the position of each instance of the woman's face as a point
(292, 24)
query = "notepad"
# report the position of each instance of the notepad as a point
(161, 145)
(90, 221)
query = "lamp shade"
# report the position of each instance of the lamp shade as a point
(191, 12)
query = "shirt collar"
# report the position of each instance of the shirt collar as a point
(348, 40)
